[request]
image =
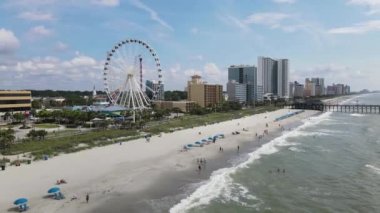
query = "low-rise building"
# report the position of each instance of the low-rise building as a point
(298, 90)
(15, 100)
(202, 93)
(184, 106)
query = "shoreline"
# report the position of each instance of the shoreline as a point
(118, 170)
(173, 186)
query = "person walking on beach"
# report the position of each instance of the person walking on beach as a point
(220, 149)
(238, 148)
(199, 168)
(87, 197)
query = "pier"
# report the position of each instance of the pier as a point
(360, 109)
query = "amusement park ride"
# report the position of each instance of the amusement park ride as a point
(128, 62)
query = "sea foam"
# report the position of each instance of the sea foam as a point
(357, 115)
(373, 168)
(221, 185)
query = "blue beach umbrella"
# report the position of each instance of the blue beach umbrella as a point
(54, 190)
(20, 201)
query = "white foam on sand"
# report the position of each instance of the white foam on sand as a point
(357, 115)
(220, 183)
(373, 168)
(295, 149)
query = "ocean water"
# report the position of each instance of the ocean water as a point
(331, 163)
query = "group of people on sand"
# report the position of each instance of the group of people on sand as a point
(62, 181)
(201, 163)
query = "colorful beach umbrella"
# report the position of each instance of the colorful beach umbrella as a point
(20, 201)
(54, 190)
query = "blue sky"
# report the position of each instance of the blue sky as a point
(54, 44)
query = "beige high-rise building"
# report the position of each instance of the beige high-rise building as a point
(202, 93)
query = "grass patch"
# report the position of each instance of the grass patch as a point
(46, 125)
(54, 146)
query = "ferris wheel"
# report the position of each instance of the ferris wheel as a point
(127, 65)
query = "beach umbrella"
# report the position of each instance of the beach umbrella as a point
(20, 201)
(54, 190)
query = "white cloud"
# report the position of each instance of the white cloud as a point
(236, 22)
(333, 73)
(272, 20)
(80, 61)
(197, 57)
(153, 14)
(8, 41)
(212, 70)
(359, 28)
(283, 21)
(36, 16)
(60, 46)
(108, 3)
(284, 1)
(373, 6)
(79, 72)
(39, 31)
(190, 72)
(194, 30)
(214, 74)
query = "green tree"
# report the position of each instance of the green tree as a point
(41, 134)
(32, 134)
(176, 110)
(18, 117)
(158, 114)
(36, 104)
(198, 110)
(6, 138)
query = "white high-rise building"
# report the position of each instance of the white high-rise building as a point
(274, 76)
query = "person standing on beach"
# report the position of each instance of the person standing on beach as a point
(238, 148)
(87, 197)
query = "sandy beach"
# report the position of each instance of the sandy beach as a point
(131, 167)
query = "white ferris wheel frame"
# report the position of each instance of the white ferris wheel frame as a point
(131, 95)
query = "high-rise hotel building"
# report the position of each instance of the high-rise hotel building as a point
(273, 75)
(243, 78)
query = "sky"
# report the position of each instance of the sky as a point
(62, 45)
